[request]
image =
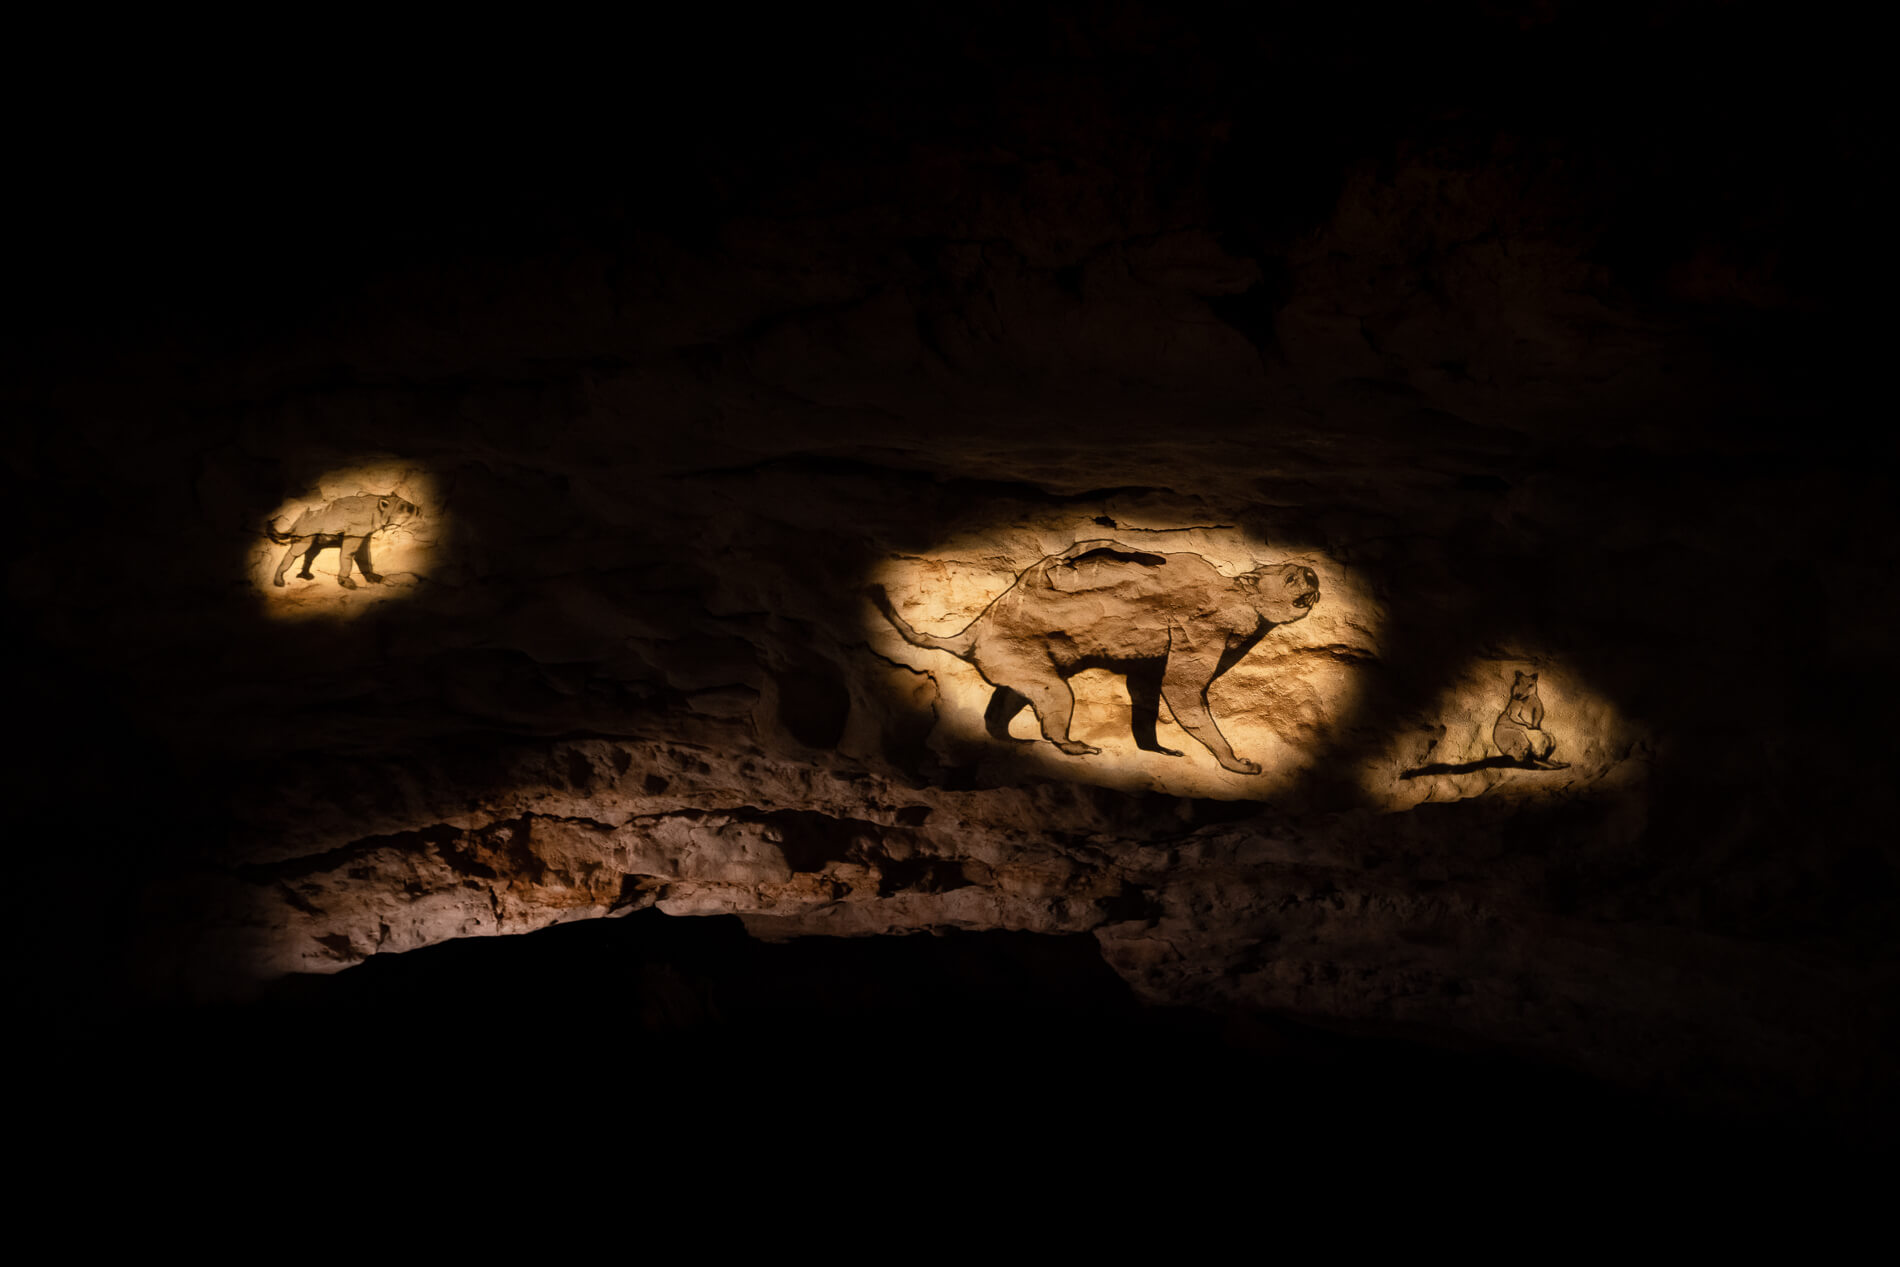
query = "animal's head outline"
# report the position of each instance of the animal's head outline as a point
(392, 510)
(1281, 592)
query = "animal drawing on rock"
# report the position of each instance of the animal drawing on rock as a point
(345, 525)
(1170, 622)
(1519, 732)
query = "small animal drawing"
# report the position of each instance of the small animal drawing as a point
(344, 525)
(1519, 732)
(1171, 623)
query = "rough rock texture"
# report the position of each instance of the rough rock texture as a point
(1532, 379)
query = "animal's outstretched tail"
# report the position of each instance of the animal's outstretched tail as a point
(958, 644)
(277, 535)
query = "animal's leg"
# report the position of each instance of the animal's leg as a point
(1054, 703)
(1144, 692)
(1047, 691)
(309, 557)
(362, 558)
(296, 548)
(1543, 743)
(1004, 705)
(1192, 662)
(346, 549)
(1512, 741)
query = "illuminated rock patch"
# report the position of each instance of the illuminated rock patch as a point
(358, 536)
(1473, 742)
(1255, 647)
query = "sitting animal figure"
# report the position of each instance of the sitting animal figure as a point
(345, 525)
(1519, 732)
(1170, 622)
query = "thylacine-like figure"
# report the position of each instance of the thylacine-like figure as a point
(1170, 622)
(1519, 732)
(345, 525)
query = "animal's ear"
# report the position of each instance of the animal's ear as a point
(1518, 678)
(1531, 677)
(383, 504)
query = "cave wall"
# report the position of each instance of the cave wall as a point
(1534, 374)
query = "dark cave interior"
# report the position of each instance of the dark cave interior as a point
(1542, 335)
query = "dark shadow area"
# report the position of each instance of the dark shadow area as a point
(94, 765)
(1471, 767)
(965, 1039)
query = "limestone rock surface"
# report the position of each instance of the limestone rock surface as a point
(1513, 409)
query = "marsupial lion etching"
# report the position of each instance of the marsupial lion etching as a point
(346, 525)
(1170, 622)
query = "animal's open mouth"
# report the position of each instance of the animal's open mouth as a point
(1307, 599)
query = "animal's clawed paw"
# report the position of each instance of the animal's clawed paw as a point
(1166, 752)
(346, 582)
(1075, 749)
(278, 581)
(1240, 765)
(374, 578)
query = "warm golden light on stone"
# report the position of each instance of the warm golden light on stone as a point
(1170, 597)
(1520, 724)
(357, 537)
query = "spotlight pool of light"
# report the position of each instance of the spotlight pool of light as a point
(1144, 634)
(357, 537)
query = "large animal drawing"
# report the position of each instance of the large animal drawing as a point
(345, 525)
(1171, 623)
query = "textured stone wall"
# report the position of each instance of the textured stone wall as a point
(1535, 379)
